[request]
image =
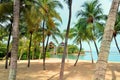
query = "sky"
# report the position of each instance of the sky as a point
(76, 6)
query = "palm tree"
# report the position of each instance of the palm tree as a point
(7, 15)
(81, 33)
(117, 30)
(47, 9)
(14, 51)
(8, 43)
(101, 64)
(92, 12)
(78, 32)
(69, 2)
(91, 53)
(52, 32)
(32, 20)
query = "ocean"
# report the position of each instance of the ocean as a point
(113, 56)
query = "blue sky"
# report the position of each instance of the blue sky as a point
(106, 4)
(77, 6)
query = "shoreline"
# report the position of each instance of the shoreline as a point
(79, 72)
(58, 60)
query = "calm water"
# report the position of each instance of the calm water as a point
(114, 56)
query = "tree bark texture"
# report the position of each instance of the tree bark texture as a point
(101, 64)
(15, 34)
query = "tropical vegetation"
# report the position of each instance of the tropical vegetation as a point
(31, 30)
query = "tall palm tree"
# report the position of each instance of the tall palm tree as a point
(7, 15)
(81, 33)
(101, 64)
(48, 12)
(69, 2)
(15, 34)
(52, 32)
(33, 20)
(8, 43)
(78, 32)
(78, 39)
(92, 12)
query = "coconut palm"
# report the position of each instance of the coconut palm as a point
(92, 12)
(101, 64)
(32, 19)
(78, 40)
(52, 32)
(78, 33)
(47, 9)
(5, 16)
(69, 2)
(8, 43)
(81, 33)
(15, 31)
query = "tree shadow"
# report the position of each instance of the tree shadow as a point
(114, 68)
(80, 71)
(113, 72)
(53, 76)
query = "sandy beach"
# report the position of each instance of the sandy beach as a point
(83, 71)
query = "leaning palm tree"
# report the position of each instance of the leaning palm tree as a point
(101, 64)
(92, 12)
(15, 34)
(69, 2)
(78, 32)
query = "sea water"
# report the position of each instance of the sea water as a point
(113, 56)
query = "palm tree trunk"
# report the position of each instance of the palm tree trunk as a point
(78, 53)
(43, 45)
(116, 44)
(10, 32)
(91, 53)
(96, 47)
(29, 49)
(66, 40)
(21, 53)
(33, 55)
(15, 34)
(45, 53)
(101, 64)
(67, 55)
(40, 53)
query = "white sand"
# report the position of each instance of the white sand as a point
(83, 71)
